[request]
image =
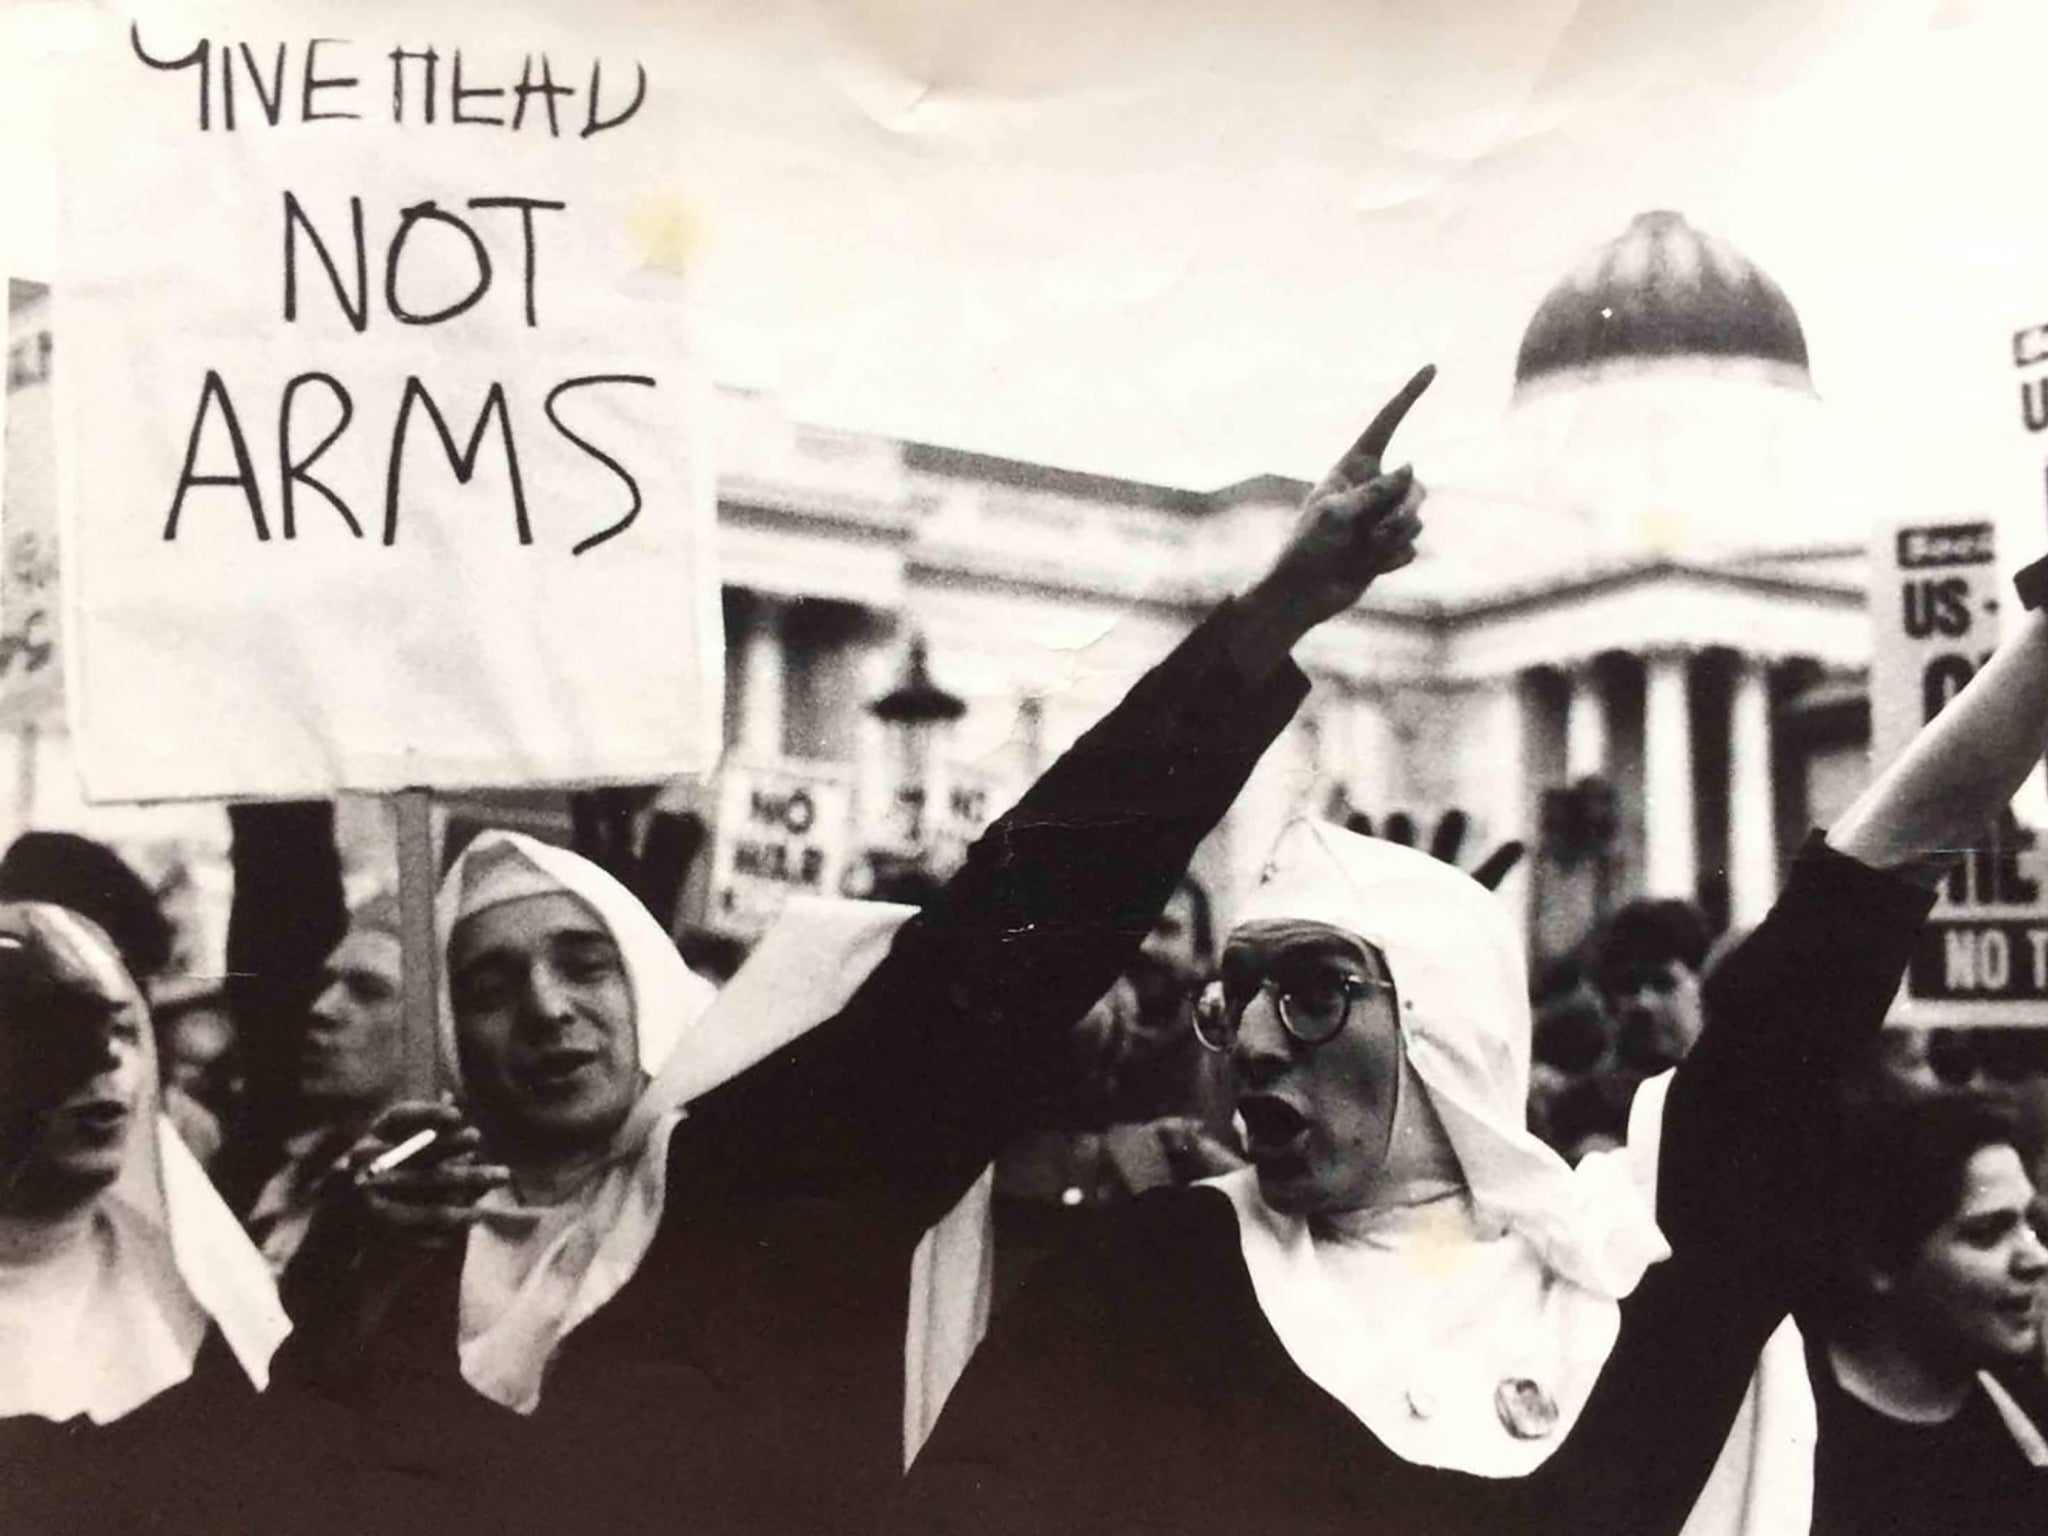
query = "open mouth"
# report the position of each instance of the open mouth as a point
(2019, 1311)
(1273, 1127)
(101, 1119)
(559, 1071)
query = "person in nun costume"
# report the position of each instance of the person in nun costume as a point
(681, 1295)
(133, 1309)
(1409, 1315)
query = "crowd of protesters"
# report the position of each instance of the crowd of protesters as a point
(1312, 1224)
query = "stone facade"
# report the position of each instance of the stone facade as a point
(1599, 597)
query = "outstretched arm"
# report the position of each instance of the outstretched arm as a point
(935, 1061)
(1750, 1139)
(1954, 777)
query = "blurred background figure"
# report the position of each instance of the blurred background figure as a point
(89, 878)
(200, 1060)
(349, 1059)
(1145, 1105)
(1904, 1057)
(1991, 1059)
(1624, 1010)
(1646, 961)
(1621, 1010)
(1571, 1046)
(1591, 1114)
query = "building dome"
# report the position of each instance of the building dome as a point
(1662, 291)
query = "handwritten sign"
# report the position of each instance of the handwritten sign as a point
(970, 797)
(387, 458)
(31, 676)
(784, 829)
(1982, 958)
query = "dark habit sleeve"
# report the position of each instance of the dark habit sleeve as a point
(936, 1061)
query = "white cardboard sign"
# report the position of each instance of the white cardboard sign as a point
(1982, 957)
(386, 459)
(784, 829)
(31, 674)
(972, 796)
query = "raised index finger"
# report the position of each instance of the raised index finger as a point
(1363, 461)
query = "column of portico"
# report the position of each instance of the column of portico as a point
(1670, 852)
(1586, 735)
(761, 677)
(1752, 841)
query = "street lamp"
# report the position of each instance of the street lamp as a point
(917, 712)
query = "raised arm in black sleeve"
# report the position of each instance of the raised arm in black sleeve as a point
(1750, 1129)
(928, 1069)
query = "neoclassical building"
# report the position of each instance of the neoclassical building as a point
(1648, 582)
(1651, 577)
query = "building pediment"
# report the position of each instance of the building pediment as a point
(1653, 606)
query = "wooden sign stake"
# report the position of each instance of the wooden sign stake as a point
(417, 879)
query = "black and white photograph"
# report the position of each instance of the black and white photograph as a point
(922, 768)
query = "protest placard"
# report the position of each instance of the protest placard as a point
(384, 454)
(783, 829)
(1982, 957)
(31, 674)
(970, 796)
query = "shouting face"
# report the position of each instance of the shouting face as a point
(1309, 1016)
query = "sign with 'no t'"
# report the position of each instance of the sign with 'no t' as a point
(1982, 957)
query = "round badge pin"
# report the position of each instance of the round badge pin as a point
(1527, 1411)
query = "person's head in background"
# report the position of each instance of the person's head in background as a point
(2009, 1062)
(1938, 1270)
(1903, 1058)
(1141, 1025)
(1176, 959)
(1590, 1115)
(1573, 1033)
(198, 1050)
(1646, 962)
(1993, 1058)
(89, 878)
(351, 1054)
(1571, 1040)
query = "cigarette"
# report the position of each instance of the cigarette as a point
(384, 1162)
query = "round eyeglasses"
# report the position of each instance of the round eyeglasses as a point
(1313, 1009)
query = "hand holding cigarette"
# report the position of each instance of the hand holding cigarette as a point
(418, 1172)
(399, 1155)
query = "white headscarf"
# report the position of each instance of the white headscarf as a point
(102, 1311)
(530, 1277)
(1467, 1333)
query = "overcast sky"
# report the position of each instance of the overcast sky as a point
(1188, 240)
